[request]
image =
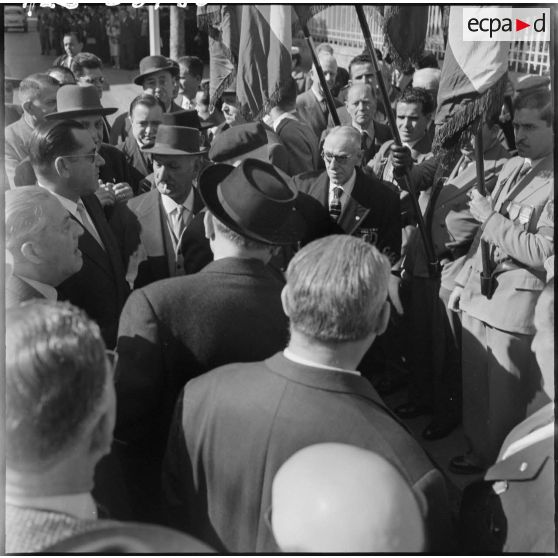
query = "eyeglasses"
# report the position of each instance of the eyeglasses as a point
(95, 81)
(329, 157)
(90, 156)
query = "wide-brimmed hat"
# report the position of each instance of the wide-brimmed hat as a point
(176, 140)
(188, 118)
(237, 141)
(151, 64)
(76, 100)
(253, 200)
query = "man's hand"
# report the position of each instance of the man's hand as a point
(480, 206)
(393, 293)
(455, 297)
(401, 158)
(122, 191)
(105, 194)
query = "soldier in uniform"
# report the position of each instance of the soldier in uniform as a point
(500, 374)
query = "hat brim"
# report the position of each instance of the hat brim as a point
(80, 112)
(164, 150)
(138, 80)
(290, 233)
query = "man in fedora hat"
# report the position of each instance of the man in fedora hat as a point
(153, 228)
(37, 96)
(66, 163)
(157, 76)
(173, 330)
(118, 179)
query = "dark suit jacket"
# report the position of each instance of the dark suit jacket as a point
(140, 227)
(116, 169)
(18, 290)
(310, 111)
(173, 330)
(513, 509)
(99, 287)
(235, 426)
(135, 157)
(301, 144)
(371, 213)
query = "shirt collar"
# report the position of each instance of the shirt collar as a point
(68, 204)
(347, 187)
(170, 205)
(300, 360)
(81, 505)
(370, 130)
(48, 291)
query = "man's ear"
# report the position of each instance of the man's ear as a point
(208, 226)
(383, 318)
(29, 252)
(28, 107)
(101, 434)
(284, 301)
(61, 167)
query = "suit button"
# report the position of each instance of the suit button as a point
(523, 467)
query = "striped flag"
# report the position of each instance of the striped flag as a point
(473, 80)
(264, 60)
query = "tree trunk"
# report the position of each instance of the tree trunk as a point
(176, 32)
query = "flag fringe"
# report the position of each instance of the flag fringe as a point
(208, 22)
(490, 102)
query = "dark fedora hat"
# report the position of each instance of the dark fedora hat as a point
(253, 200)
(176, 140)
(151, 64)
(237, 141)
(188, 118)
(77, 100)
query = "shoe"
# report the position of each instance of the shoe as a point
(461, 465)
(411, 410)
(440, 428)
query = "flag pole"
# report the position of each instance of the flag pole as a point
(433, 264)
(327, 93)
(485, 280)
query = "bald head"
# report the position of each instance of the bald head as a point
(328, 63)
(340, 498)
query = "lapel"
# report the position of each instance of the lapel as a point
(354, 211)
(150, 213)
(197, 206)
(319, 189)
(533, 181)
(87, 243)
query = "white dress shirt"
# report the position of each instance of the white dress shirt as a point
(347, 189)
(306, 362)
(48, 291)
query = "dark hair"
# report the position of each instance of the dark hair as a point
(55, 379)
(85, 60)
(147, 100)
(66, 72)
(297, 58)
(359, 59)
(540, 99)
(417, 95)
(286, 97)
(193, 65)
(50, 139)
(72, 34)
(31, 86)
(427, 60)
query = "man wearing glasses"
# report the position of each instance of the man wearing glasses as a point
(360, 204)
(66, 163)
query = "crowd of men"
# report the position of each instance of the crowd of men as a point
(232, 299)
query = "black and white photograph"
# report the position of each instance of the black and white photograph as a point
(278, 278)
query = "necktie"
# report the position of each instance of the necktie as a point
(178, 221)
(464, 164)
(323, 104)
(88, 224)
(365, 141)
(335, 205)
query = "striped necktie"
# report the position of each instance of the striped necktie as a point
(335, 206)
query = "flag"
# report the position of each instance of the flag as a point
(404, 29)
(221, 22)
(264, 60)
(473, 80)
